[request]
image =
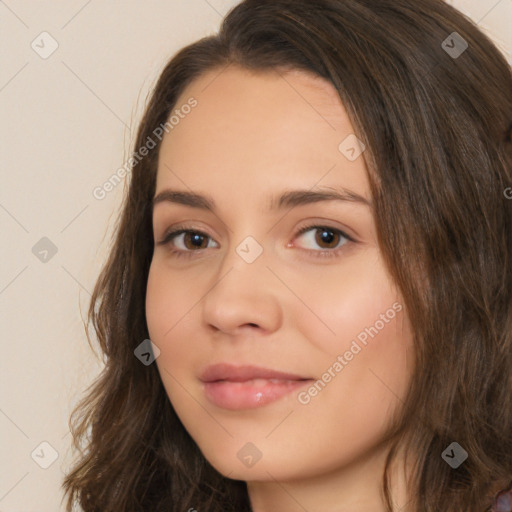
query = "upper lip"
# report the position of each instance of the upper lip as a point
(229, 372)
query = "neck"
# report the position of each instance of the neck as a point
(356, 486)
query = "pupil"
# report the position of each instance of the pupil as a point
(196, 240)
(326, 236)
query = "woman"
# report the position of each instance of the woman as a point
(317, 241)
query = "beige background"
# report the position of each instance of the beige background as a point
(65, 128)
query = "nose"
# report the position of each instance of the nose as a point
(243, 297)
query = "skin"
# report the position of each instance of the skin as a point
(252, 136)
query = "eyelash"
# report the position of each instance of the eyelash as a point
(326, 253)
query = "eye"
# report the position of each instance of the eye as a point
(331, 240)
(184, 241)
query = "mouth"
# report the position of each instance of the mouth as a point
(247, 387)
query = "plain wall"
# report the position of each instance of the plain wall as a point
(67, 124)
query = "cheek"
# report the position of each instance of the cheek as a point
(357, 403)
(163, 313)
(171, 316)
(347, 302)
(156, 301)
(363, 320)
(170, 296)
(372, 378)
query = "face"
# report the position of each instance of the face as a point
(284, 345)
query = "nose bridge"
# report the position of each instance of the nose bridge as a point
(246, 239)
(250, 250)
(243, 292)
(249, 242)
(245, 263)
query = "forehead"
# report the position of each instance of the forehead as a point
(274, 125)
(281, 90)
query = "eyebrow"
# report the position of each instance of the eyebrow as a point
(288, 199)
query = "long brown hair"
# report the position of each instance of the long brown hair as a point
(435, 117)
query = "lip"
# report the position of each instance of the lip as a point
(247, 387)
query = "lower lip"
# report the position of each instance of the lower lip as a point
(250, 394)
